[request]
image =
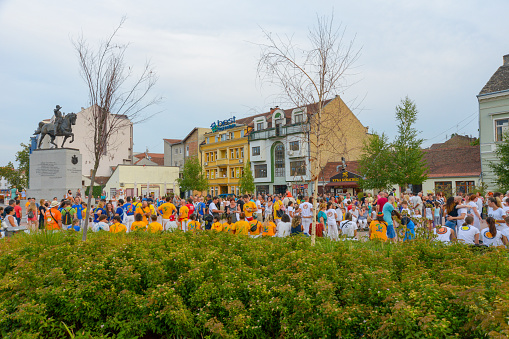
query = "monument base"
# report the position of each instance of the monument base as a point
(53, 172)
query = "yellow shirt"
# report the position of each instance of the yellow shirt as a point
(242, 227)
(167, 209)
(378, 230)
(217, 226)
(249, 208)
(229, 228)
(184, 213)
(258, 227)
(138, 226)
(269, 229)
(143, 211)
(276, 207)
(155, 227)
(193, 226)
(117, 228)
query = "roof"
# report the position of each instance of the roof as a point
(453, 161)
(101, 180)
(455, 141)
(157, 158)
(499, 81)
(330, 170)
(173, 141)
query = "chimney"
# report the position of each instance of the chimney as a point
(506, 60)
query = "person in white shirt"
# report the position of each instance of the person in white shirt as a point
(290, 210)
(496, 213)
(306, 212)
(491, 236)
(259, 208)
(102, 225)
(354, 212)
(348, 228)
(284, 227)
(474, 211)
(462, 212)
(444, 234)
(468, 233)
(332, 227)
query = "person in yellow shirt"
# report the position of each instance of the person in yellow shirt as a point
(242, 226)
(183, 215)
(138, 224)
(145, 211)
(278, 204)
(249, 208)
(268, 227)
(217, 226)
(193, 225)
(154, 226)
(228, 226)
(255, 228)
(378, 228)
(117, 227)
(167, 210)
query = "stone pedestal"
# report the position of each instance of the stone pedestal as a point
(53, 172)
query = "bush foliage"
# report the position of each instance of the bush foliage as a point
(221, 286)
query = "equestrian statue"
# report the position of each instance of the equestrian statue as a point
(62, 127)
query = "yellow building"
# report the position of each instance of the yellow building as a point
(224, 154)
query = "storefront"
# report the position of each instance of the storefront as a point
(342, 183)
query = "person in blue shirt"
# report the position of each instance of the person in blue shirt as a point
(79, 211)
(387, 211)
(129, 209)
(410, 227)
(120, 209)
(98, 211)
(201, 209)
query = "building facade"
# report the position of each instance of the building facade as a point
(493, 119)
(224, 153)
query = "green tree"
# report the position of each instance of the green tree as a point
(407, 163)
(193, 177)
(246, 182)
(375, 163)
(501, 167)
(18, 177)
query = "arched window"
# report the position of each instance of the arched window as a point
(279, 160)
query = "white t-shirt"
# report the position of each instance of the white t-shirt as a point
(283, 229)
(354, 213)
(290, 209)
(347, 228)
(489, 240)
(101, 226)
(259, 206)
(467, 234)
(306, 210)
(443, 234)
(497, 214)
(212, 206)
(460, 222)
(331, 216)
(339, 214)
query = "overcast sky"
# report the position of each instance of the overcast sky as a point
(438, 52)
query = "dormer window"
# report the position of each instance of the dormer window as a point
(259, 126)
(298, 118)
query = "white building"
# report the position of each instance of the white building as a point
(118, 151)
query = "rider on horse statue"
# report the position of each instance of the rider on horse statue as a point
(58, 118)
(62, 126)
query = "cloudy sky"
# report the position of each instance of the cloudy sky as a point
(438, 52)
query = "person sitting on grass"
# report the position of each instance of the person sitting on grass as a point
(154, 226)
(229, 226)
(268, 227)
(242, 226)
(348, 228)
(75, 225)
(296, 226)
(284, 227)
(117, 227)
(192, 224)
(255, 228)
(102, 225)
(444, 234)
(138, 224)
(216, 225)
(378, 228)
(468, 233)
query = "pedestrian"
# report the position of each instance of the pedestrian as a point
(68, 214)
(32, 216)
(53, 217)
(378, 228)
(17, 212)
(332, 226)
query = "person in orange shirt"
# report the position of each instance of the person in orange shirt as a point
(117, 227)
(145, 211)
(154, 226)
(183, 215)
(193, 225)
(249, 208)
(228, 226)
(278, 205)
(138, 224)
(167, 210)
(53, 217)
(268, 227)
(255, 228)
(217, 226)
(242, 226)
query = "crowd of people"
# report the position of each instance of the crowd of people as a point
(384, 216)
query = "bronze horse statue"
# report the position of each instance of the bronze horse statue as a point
(64, 129)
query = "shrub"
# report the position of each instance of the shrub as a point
(216, 285)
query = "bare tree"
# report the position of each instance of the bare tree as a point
(311, 78)
(117, 97)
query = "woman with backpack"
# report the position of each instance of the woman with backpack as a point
(32, 216)
(68, 214)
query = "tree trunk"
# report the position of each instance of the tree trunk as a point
(89, 201)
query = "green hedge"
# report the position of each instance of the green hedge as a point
(97, 191)
(220, 286)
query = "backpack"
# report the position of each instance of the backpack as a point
(66, 217)
(254, 227)
(30, 214)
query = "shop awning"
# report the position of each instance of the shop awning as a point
(343, 184)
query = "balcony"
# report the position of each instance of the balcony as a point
(281, 131)
(222, 162)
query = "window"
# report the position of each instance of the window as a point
(298, 168)
(176, 150)
(236, 153)
(279, 160)
(217, 191)
(237, 172)
(232, 172)
(187, 151)
(501, 127)
(208, 140)
(298, 118)
(217, 138)
(237, 190)
(464, 187)
(231, 153)
(294, 145)
(212, 174)
(259, 126)
(242, 133)
(255, 150)
(444, 187)
(260, 171)
(223, 137)
(207, 157)
(180, 150)
(242, 152)
(232, 135)
(208, 174)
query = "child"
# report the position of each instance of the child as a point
(404, 207)
(242, 226)
(192, 224)
(378, 228)
(437, 214)
(216, 225)
(255, 228)
(418, 216)
(429, 216)
(228, 226)
(75, 225)
(102, 225)
(269, 228)
(410, 227)
(154, 226)
(138, 224)
(117, 226)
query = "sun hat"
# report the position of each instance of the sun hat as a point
(54, 204)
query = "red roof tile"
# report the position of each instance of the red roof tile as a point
(158, 158)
